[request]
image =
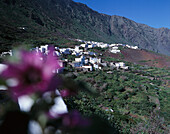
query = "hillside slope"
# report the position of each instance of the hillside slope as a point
(75, 20)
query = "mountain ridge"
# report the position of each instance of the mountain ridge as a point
(77, 20)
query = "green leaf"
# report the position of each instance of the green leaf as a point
(42, 119)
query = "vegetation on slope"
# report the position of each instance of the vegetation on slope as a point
(135, 101)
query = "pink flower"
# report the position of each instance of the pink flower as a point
(67, 93)
(32, 73)
(74, 119)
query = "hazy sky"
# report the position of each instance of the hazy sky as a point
(155, 13)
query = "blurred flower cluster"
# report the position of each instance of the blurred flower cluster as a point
(32, 97)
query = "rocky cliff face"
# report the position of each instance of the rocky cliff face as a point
(76, 20)
(146, 37)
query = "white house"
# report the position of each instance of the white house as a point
(84, 45)
(78, 59)
(88, 67)
(43, 48)
(62, 49)
(86, 53)
(73, 53)
(114, 48)
(112, 45)
(89, 42)
(114, 51)
(76, 49)
(86, 61)
(121, 65)
(90, 46)
(95, 60)
(117, 65)
(65, 50)
(134, 47)
(96, 66)
(127, 46)
(104, 45)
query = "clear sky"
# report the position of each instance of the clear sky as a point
(155, 13)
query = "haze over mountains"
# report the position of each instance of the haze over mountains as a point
(68, 19)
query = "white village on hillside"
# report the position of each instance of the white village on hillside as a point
(85, 59)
